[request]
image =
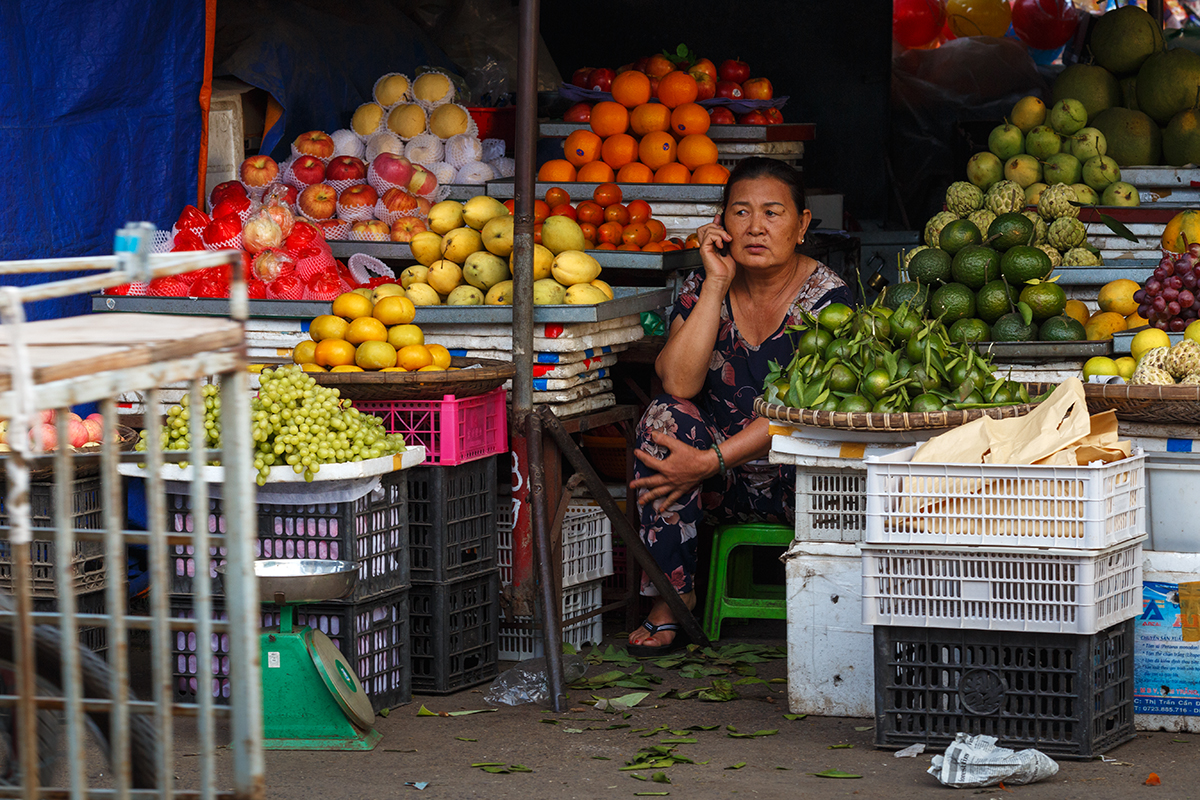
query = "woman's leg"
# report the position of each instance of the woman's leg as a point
(670, 534)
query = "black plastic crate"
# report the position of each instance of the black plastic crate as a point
(1070, 696)
(452, 520)
(454, 630)
(87, 564)
(94, 638)
(372, 634)
(370, 530)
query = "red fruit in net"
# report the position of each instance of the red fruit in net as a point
(323, 286)
(270, 265)
(222, 229)
(287, 287)
(187, 240)
(256, 290)
(231, 205)
(121, 290)
(191, 218)
(170, 286)
(207, 287)
(313, 260)
(226, 189)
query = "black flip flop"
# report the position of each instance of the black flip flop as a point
(680, 641)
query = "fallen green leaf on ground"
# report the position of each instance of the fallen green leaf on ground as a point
(622, 703)
(794, 717)
(785, 768)
(651, 794)
(548, 721)
(601, 758)
(841, 747)
(754, 735)
(678, 741)
(425, 712)
(862, 728)
(834, 773)
(738, 765)
(660, 777)
(465, 739)
(383, 712)
(722, 691)
(637, 777)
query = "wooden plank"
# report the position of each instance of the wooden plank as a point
(119, 329)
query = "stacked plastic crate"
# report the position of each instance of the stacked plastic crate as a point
(1003, 600)
(587, 559)
(371, 627)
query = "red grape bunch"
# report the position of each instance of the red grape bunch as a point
(1169, 299)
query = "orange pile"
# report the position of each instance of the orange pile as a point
(633, 140)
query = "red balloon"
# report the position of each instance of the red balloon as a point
(1044, 24)
(916, 23)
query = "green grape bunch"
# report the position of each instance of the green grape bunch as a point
(294, 421)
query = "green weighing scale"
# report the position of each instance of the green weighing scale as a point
(312, 700)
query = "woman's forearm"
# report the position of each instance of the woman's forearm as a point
(750, 443)
(683, 362)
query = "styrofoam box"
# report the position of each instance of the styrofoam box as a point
(586, 543)
(1174, 503)
(1167, 567)
(830, 651)
(517, 644)
(1002, 588)
(1085, 507)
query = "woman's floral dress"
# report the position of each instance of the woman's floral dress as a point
(754, 491)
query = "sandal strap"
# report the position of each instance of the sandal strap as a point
(666, 626)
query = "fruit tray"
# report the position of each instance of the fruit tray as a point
(1158, 404)
(871, 421)
(474, 376)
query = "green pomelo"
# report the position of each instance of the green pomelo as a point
(1010, 230)
(1061, 329)
(1093, 86)
(1124, 38)
(1166, 84)
(1181, 139)
(1012, 328)
(931, 267)
(951, 303)
(975, 265)
(1133, 137)
(995, 300)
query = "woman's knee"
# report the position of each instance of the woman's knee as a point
(669, 415)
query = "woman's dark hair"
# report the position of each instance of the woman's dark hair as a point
(761, 167)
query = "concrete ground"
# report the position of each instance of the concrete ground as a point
(580, 755)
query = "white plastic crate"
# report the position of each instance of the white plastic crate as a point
(1081, 508)
(1002, 588)
(586, 544)
(517, 644)
(831, 504)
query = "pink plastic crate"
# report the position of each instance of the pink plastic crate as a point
(454, 430)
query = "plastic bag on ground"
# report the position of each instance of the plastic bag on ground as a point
(527, 681)
(975, 761)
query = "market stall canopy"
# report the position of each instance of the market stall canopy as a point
(99, 124)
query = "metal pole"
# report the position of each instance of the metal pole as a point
(551, 618)
(522, 334)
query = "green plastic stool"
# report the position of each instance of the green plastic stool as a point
(731, 589)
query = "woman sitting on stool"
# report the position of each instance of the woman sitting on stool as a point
(701, 450)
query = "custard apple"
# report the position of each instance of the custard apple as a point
(1183, 358)
(1056, 202)
(1004, 197)
(1040, 228)
(1155, 357)
(1192, 379)
(1055, 258)
(1151, 376)
(982, 218)
(1065, 233)
(1080, 257)
(962, 198)
(933, 228)
(908, 256)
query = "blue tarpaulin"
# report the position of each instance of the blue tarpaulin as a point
(100, 124)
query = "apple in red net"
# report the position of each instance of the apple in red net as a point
(601, 79)
(721, 116)
(324, 286)
(315, 143)
(259, 170)
(580, 112)
(209, 287)
(406, 228)
(397, 200)
(371, 226)
(187, 240)
(733, 70)
(223, 190)
(287, 287)
(393, 168)
(318, 201)
(231, 206)
(774, 116)
(192, 218)
(706, 87)
(705, 66)
(221, 229)
(308, 170)
(758, 89)
(581, 76)
(729, 90)
(422, 182)
(346, 168)
(302, 234)
(256, 290)
(753, 118)
(358, 196)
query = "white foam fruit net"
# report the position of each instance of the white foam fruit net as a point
(476, 172)
(462, 150)
(363, 266)
(492, 149)
(347, 143)
(443, 172)
(425, 150)
(383, 142)
(505, 167)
